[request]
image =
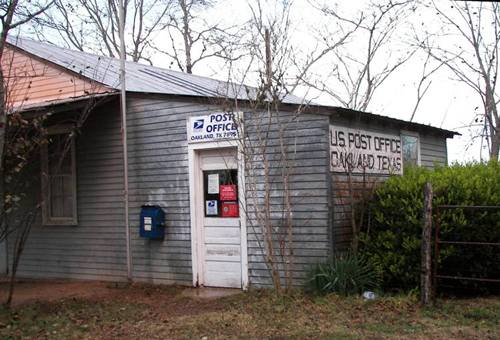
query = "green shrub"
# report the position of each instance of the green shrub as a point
(393, 239)
(346, 274)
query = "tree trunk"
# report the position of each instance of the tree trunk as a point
(22, 237)
(495, 140)
(495, 146)
(3, 118)
(187, 36)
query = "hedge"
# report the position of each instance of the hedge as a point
(393, 237)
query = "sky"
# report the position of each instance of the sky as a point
(448, 104)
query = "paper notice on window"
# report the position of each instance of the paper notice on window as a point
(212, 208)
(213, 184)
(228, 192)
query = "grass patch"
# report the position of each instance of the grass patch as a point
(257, 314)
(471, 312)
(60, 320)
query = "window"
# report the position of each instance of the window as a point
(59, 180)
(411, 148)
(221, 193)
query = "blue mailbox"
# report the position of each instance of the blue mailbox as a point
(152, 224)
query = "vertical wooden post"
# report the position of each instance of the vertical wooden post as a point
(426, 270)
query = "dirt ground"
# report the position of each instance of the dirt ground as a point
(100, 310)
(44, 291)
(155, 296)
(48, 291)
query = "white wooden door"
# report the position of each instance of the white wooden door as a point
(220, 235)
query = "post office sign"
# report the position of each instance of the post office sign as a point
(358, 151)
(213, 127)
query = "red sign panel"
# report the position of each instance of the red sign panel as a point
(227, 192)
(230, 209)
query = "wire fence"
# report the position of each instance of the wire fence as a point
(472, 256)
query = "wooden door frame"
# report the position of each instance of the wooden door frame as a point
(195, 181)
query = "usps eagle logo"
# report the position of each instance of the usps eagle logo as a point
(198, 124)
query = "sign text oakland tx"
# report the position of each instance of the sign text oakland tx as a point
(360, 150)
(212, 127)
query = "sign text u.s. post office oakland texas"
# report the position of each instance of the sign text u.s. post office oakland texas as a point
(213, 127)
(361, 151)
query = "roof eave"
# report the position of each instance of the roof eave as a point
(403, 124)
(43, 106)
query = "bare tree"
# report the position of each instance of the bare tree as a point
(424, 83)
(92, 25)
(269, 207)
(360, 68)
(175, 28)
(13, 15)
(268, 139)
(25, 135)
(19, 139)
(283, 63)
(468, 45)
(193, 39)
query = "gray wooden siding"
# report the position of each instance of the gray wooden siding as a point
(342, 226)
(304, 141)
(158, 174)
(95, 249)
(433, 151)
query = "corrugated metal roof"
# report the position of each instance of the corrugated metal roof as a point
(400, 122)
(151, 79)
(139, 77)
